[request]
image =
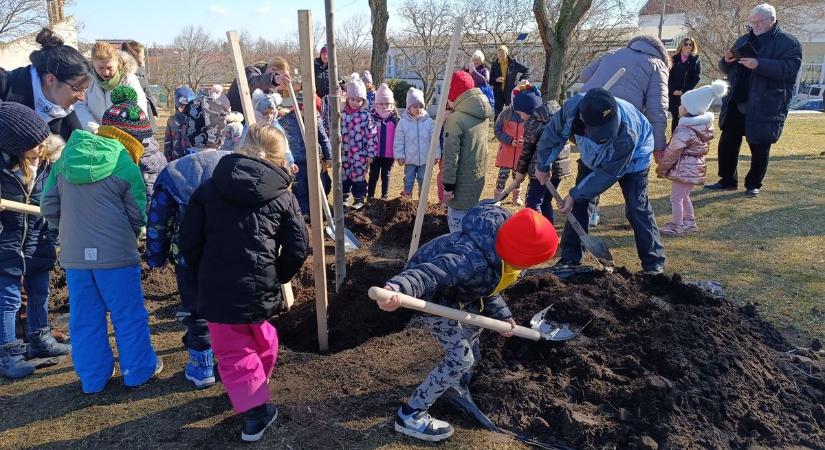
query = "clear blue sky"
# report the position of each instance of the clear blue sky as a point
(156, 21)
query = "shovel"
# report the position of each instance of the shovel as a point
(541, 330)
(350, 241)
(25, 208)
(507, 190)
(595, 245)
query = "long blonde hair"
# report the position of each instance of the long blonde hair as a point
(266, 142)
(103, 51)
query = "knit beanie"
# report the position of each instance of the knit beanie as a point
(127, 116)
(263, 101)
(384, 94)
(123, 94)
(366, 77)
(356, 87)
(324, 50)
(527, 99)
(21, 129)
(207, 120)
(503, 48)
(460, 83)
(526, 239)
(183, 96)
(698, 101)
(415, 97)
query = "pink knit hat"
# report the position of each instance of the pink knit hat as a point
(384, 94)
(356, 88)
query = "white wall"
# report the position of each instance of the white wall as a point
(16, 53)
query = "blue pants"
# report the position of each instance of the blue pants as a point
(37, 291)
(301, 186)
(411, 174)
(639, 213)
(358, 188)
(197, 335)
(91, 294)
(540, 199)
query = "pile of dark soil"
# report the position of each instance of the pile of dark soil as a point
(391, 222)
(663, 364)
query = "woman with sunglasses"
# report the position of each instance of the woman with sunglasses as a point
(685, 71)
(56, 79)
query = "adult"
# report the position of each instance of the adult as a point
(112, 68)
(757, 105)
(259, 76)
(503, 75)
(55, 80)
(322, 73)
(685, 71)
(615, 143)
(137, 51)
(465, 147)
(481, 75)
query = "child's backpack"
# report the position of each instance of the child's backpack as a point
(488, 91)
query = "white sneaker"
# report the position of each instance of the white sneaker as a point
(594, 219)
(421, 425)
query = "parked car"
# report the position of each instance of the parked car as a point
(808, 92)
(807, 106)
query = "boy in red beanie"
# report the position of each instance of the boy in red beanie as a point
(464, 155)
(466, 269)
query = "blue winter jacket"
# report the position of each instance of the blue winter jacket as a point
(289, 123)
(173, 189)
(460, 270)
(27, 244)
(629, 152)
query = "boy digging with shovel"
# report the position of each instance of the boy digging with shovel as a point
(466, 269)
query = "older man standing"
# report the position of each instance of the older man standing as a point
(762, 67)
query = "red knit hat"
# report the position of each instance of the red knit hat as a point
(526, 239)
(461, 82)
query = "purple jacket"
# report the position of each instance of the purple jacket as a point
(644, 83)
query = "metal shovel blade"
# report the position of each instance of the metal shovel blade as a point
(350, 241)
(551, 330)
(598, 248)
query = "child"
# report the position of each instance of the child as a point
(27, 245)
(233, 132)
(128, 124)
(509, 130)
(96, 197)
(173, 189)
(412, 141)
(683, 162)
(242, 236)
(266, 111)
(207, 122)
(385, 117)
(366, 77)
(466, 269)
(175, 141)
(289, 121)
(536, 115)
(358, 140)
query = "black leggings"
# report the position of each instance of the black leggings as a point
(380, 166)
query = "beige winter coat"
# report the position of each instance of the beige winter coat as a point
(684, 158)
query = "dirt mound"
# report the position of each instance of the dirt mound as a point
(391, 222)
(661, 364)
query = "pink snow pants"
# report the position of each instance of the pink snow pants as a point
(246, 356)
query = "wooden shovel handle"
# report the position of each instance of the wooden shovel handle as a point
(571, 219)
(507, 190)
(377, 293)
(24, 208)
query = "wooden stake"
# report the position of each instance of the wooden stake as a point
(439, 122)
(311, 141)
(335, 144)
(249, 115)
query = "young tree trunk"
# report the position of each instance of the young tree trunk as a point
(555, 32)
(380, 45)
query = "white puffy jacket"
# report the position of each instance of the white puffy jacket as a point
(412, 139)
(96, 102)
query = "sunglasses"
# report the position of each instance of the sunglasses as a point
(687, 44)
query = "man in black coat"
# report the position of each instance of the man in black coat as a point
(503, 75)
(258, 77)
(757, 105)
(322, 73)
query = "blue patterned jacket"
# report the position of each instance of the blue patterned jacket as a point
(460, 270)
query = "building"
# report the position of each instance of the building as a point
(16, 53)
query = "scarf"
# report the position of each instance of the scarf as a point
(44, 108)
(111, 83)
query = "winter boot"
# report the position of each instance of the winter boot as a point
(257, 420)
(43, 345)
(517, 200)
(200, 369)
(12, 361)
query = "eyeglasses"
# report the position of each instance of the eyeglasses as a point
(77, 89)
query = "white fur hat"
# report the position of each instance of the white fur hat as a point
(479, 55)
(698, 101)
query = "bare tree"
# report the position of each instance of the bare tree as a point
(353, 45)
(200, 58)
(380, 44)
(490, 23)
(425, 39)
(21, 17)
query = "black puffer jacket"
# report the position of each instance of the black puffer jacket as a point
(684, 76)
(321, 78)
(242, 236)
(26, 242)
(771, 84)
